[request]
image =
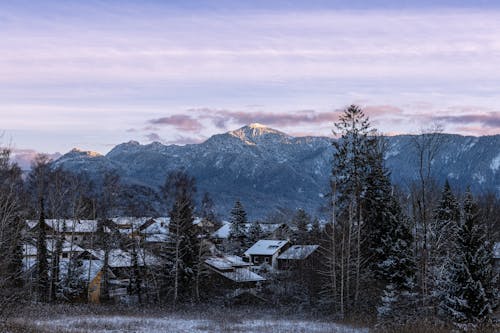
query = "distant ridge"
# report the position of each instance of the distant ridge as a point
(270, 170)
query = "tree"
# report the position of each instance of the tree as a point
(314, 235)
(42, 265)
(255, 233)
(443, 232)
(238, 229)
(208, 208)
(350, 168)
(11, 229)
(397, 269)
(301, 223)
(426, 146)
(182, 248)
(469, 293)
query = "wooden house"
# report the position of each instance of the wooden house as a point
(299, 257)
(266, 252)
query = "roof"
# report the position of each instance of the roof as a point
(298, 252)
(226, 262)
(31, 250)
(266, 247)
(127, 224)
(158, 230)
(119, 258)
(222, 232)
(78, 226)
(496, 250)
(242, 275)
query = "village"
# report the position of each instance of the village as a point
(72, 248)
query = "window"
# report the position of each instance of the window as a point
(255, 260)
(65, 255)
(267, 259)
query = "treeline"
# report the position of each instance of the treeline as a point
(405, 255)
(396, 255)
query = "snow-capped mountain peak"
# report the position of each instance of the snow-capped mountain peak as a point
(255, 133)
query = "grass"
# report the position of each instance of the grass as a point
(85, 319)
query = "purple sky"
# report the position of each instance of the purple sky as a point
(92, 74)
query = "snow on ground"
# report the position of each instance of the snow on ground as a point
(108, 324)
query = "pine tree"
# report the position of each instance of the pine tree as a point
(301, 223)
(398, 269)
(446, 223)
(314, 235)
(388, 241)
(238, 230)
(470, 295)
(349, 172)
(255, 233)
(42, 265)
(181, 251)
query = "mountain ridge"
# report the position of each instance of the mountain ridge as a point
(270, 170)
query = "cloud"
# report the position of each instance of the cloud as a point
(222, 118)
(491, 120)
(178, 121)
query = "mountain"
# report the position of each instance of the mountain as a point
(269, 170)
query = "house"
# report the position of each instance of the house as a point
(81, 232)
(68, 250)
(120, 265)
(233, 270)
(266, 251)
(298, 256)
(131, 226)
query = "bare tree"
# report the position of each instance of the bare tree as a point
(11, 227)
(427, 146)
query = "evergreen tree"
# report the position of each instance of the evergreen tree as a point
(42, 265)
(470, 295)
(446, 223)
(398, 268)
(314, 235)
(255, 233)
(238, 229)
(389, 242)
(181, 252)
(207, 208)
(349, 172)
(301, 223)
(378, 200)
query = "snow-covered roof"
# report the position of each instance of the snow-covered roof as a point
(242, 275)
(226, 262)
(223, 231)
(158, 230)
(266, 247)
(496, 250)
(119, 258)
(78, 226)
(298, 252)
(126, 224)
(31, 250)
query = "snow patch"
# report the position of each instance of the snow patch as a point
(495, 164)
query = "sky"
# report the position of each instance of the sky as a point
(92, 74)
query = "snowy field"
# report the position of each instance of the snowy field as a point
(172, 324)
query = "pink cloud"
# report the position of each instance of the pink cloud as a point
(180, 122)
